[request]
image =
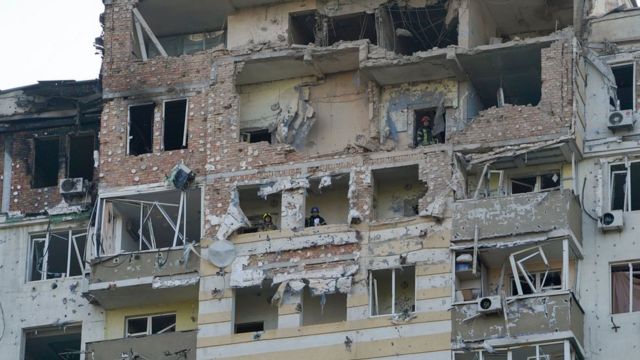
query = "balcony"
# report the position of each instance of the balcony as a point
(178, 345)
(539, 214)
(144, 278)
(557, 313)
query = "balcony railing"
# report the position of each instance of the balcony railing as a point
(175, 345)
(521, 214)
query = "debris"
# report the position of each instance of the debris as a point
(283, 184)
(233, 219)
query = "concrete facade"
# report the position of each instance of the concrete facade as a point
(474, 234)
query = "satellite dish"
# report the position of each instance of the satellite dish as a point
(221, 253)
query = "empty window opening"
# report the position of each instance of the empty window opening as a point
(257, 135)
(57, 254)
(81, 156)
(429, 127)
(421, 28)
(150, 324)
(328, 195)
(396, 192)
(150, 221)
(551, 280)
(253, 308)
(323, 309)
(263, 213)
(624, 82)
(53, 343)
(392, 291)
(349, 28)
(624, 186)
(175, 124)
(46, 162)
(625, 287)
(509, 77)
(521, 185)
(168, 29)
(141, 129)
(302, 27)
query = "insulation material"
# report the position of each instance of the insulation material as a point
(233, 219)
(437, 207)
(279, 295)
(332, 272)
(324, 182)
(296, 286)
(166, 282)
(283, 184)
(241, 277)
(295, 121)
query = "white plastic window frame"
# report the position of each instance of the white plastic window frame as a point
(149, 319)
(567, 352)
(628, 189)
(630, 265)
(186, 120)
(537, 279)
(614, 65)
(373, 292)
(538, 185)
(72, 249)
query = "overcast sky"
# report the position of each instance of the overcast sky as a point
(48, 40)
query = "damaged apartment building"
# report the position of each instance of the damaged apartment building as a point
(419, 179)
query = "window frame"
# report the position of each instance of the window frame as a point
(149, 330)
(538, 185)
(128, 139)
(72, 249)
(627, 205)
(185, 134)
(538, 277)
(630, 264)
(618, 64)
(393, 291)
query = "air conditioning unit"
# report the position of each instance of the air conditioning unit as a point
(490, 304)
(71, 186)
(611, 221)
(621, 120)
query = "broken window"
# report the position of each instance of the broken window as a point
(392, 291)
(625, 287)
(348, 28)
(302, 27)
(527, 184)
(429, 127)
(175, 124)
(258, 209)
(60, 342)
(80, 162)
(150, 324)
(413, 29)
(46, 162)
(150, 221)
(553, 351)
(397, 192)
(57, 254)
(257, 135)
(624, 75)
(328, 195)
(141, 129)
(625, 195)
(323, 309)
(254, 310)
(162, 29)
(551, 280)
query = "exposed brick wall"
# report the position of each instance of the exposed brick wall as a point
(553, 115)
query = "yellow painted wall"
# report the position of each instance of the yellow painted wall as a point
(186, 317)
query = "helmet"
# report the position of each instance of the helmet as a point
(315, 209)
(265, 216)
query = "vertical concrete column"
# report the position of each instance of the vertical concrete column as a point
(216, 309)
(290, 311)
(358, 300)
(293, 207)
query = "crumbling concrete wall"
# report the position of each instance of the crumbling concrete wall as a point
(25, 304)
(552, 117)
(475, 26)
(263, 24)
